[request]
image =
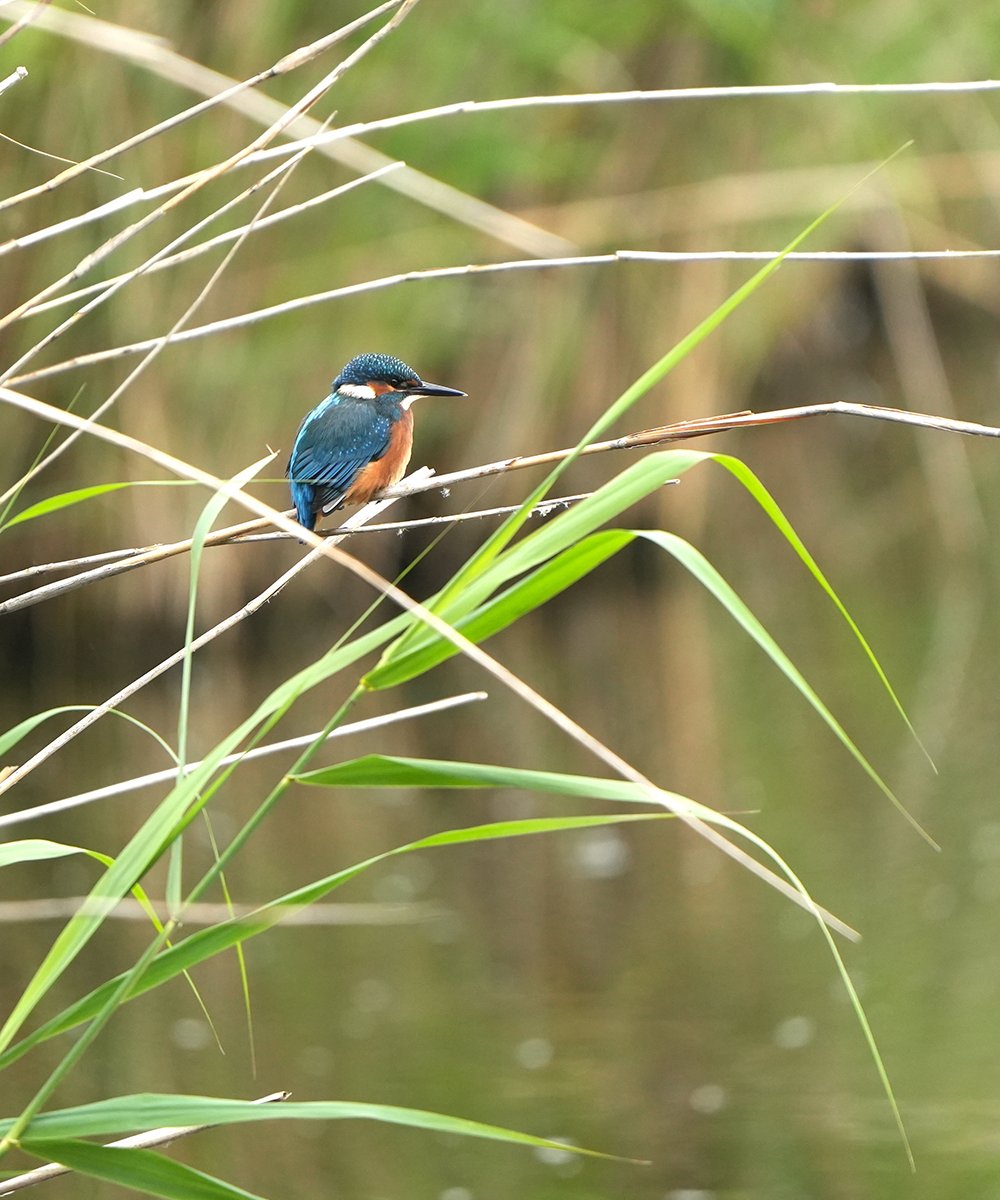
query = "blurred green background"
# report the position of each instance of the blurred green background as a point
(629, 990)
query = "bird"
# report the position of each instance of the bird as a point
(358, 440)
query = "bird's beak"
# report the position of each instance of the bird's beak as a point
(435, 389)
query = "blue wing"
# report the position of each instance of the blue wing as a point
(334, 443)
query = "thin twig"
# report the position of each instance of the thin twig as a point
(138, 1141)
(633, 96)
(171, 773)
(437, 195)
(103, 210)
(875, 412)
(55, 157)
(144, 557)
(537, 264)
(241, 320)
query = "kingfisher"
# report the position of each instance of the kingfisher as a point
(358, 440)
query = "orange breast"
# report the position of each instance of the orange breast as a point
(388, 469)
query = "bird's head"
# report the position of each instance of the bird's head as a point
(371, 375)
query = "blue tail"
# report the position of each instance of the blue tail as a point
(304, 499)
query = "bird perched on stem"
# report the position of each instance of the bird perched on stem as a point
(358, 440)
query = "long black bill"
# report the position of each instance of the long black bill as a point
(435, 389)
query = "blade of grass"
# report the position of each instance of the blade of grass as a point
(123, 1113)
(142, 1171)
(767, 502)
(79, 495)
(17, 733)
(206, 520)
(706, 574)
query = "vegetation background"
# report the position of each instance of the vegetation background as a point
(630, 990)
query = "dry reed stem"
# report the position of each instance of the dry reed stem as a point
(793, 891)
(634, 96)
(171, 773)
(242, 320)
(586, 260)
